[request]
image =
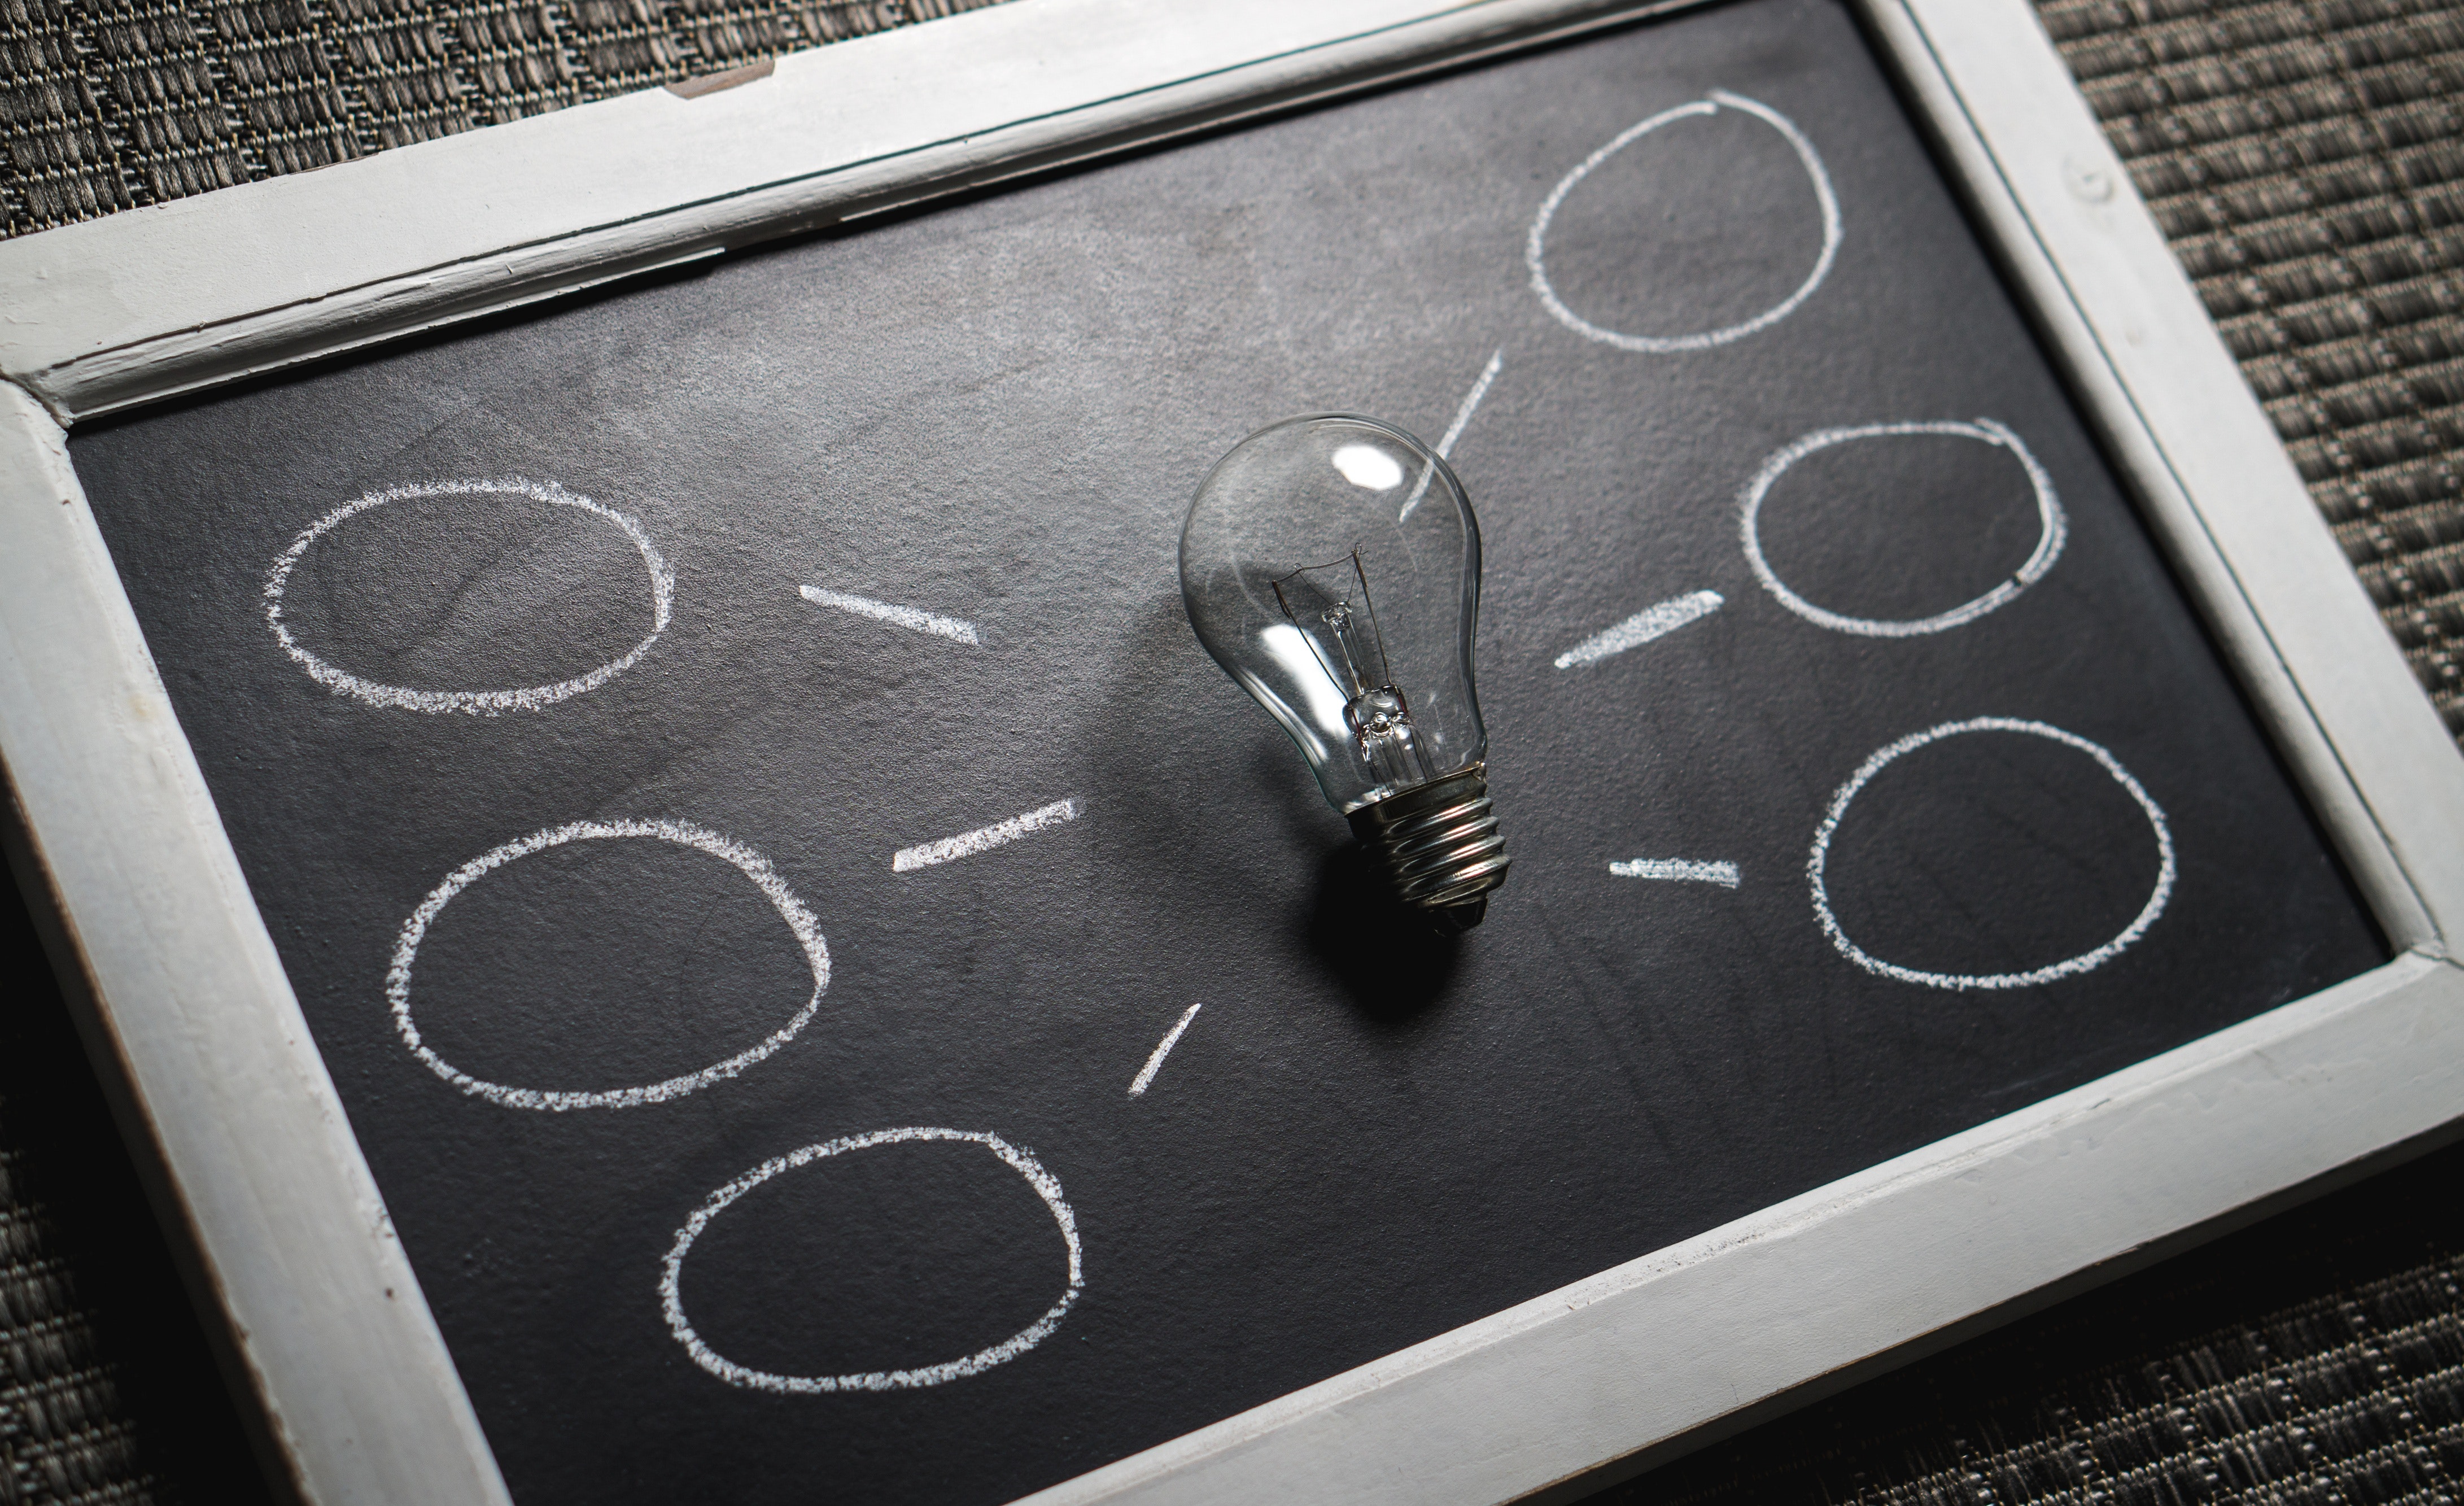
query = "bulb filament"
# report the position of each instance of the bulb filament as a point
(1377, 711)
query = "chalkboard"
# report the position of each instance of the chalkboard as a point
(841, 995)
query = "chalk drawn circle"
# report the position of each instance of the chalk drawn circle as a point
(2067, 968)
(746, 861)
(1535, 247)
(2053, 528)
(1047, 1186)
(488, 703)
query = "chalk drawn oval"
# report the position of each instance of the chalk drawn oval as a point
(2053, 528)
(478, 703)
(746, 861)
(1535, 248)
(1047, 1186)
(2067, 968)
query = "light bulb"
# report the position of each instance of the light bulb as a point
(1332, 565)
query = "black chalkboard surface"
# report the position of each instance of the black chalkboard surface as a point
(755, 1139)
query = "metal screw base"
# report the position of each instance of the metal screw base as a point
(1439, 844)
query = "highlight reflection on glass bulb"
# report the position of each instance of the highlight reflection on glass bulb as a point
(1330, 563)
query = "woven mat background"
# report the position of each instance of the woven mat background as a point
(108, 104)
(2314, 1359)
(108, 1395)
(2307, 160)
(2307, 157)
(64, 1431)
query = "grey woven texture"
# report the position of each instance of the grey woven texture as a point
(2313, 1360)
(64, 1436)
(2307, 157)
(2356, 1399)
(108, 104)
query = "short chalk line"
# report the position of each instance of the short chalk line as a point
(953, 629)
(1047, 1186)
(1471, 402)
(1454, 430)
(1680, 870)
(1170, 1038)
(1652, 622)
(984, 839)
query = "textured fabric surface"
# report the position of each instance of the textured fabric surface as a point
(108, 104)
(2307, 160)
(2314, 1359)
(2307, 157)
(108, 1392)
(64, 1435)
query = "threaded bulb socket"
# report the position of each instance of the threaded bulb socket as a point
(1439, 845)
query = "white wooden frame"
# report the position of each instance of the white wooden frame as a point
(192, 1015)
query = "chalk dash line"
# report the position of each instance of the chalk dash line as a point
(953, 629)
(1654, 621)
(1454, 430)
(984, 839)
(1680, 870)
(1170, 1038)
(1471, 402)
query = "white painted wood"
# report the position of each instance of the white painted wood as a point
(157, 301)
(325, 1311)
(152, 301)
(1652, 1349)
(2228, 506)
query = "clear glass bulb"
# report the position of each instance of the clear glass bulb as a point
(1330, 563)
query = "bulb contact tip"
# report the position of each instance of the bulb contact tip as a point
(1441, 847)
